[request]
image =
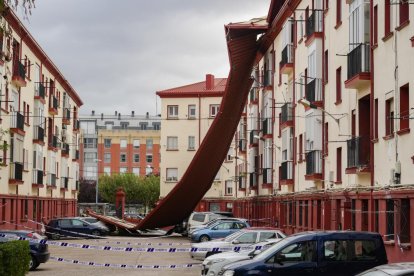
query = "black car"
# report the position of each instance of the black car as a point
(39, 252)
(74, 227)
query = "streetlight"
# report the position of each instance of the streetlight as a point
(97, 180)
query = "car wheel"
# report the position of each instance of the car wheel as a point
(33, 264)
(95, 233)
(204, 238)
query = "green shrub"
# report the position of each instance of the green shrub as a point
(14, 258)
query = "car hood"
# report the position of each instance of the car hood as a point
(234, 256)
(237, 264)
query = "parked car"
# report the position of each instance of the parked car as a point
(197, 218)
(213, 264)
(207, 224)
(340, 253)
(395, 269)
(93, 220)
(220, 229)
(73, 227)
(39, 253)
(242, 238)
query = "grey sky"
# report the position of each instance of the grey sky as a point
(116, 54)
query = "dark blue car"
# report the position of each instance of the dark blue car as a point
(340, 253)
(74, 227)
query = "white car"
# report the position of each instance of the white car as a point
(242, 239)
(204, 225)
(213, 264)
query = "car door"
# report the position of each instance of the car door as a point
(295, 259)
(246, 239)
(80, 226)
(221, 230)
(65, 227)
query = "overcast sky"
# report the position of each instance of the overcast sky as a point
(117, 54)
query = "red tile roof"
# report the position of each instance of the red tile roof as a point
(196, 89)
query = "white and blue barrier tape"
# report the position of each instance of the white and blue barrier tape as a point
(140, 266)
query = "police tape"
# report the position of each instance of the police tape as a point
(132, 249)
(126, 266)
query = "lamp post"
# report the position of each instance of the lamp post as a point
(97, 180)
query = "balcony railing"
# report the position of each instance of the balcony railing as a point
(65, 149)
(314, 90)
(253, 95)
(286, 113)
(267, 176)
(314, 162)
(76, 125)
(53, 141)
(77, 185)
(16, 171)
(267, 78)
(66, 113)
(314, 23)
(359, 60)
(19, 70)
(287, 170)
(358, 151)
(39, 133)
(64, 182)
(252, 180)
(54, 103)
(242, 182)
(267, 126)
(37, 177)
(17, 121)
(40, 91)
(51, 179)
(253, 139)
(287, 55)
(242, 144)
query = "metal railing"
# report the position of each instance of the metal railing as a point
(314, 162)
(37, 177)
(253, 139)
(40, 91)
(358, 151)
(51, 179)
(267, 175)
(64, 182)
(54, 103)
(19, 70)
(286, 113)
(242, 182)
(359, 60)
(267, 77)
(314, 23)
(242, 144)
(16, 171)
(267, 126)
(252, 180)
(253, 95)
(314, 90)
(39, 133)
(66, 113)
(65, 148)
(17, 120)
(76, 125)
(53, 141)
(287, 55)
(287, 170)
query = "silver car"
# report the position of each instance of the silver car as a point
(242, 238)
(396, 269)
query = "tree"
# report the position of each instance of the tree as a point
(138, 189)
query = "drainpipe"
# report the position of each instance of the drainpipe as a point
(199, 120)
(324, 141)
(372, 107)
(293, 104)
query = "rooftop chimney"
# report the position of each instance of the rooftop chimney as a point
(147, 115)
(132, 113)
(209, 82)
(93, 112)
(119, 116)
(116, 113)
(101, 116)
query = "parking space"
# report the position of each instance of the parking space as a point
(53, 267)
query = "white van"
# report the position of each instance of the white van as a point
(197, 218)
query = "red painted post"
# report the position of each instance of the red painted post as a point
(120, 203)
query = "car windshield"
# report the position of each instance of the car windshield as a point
(271, 250)
(233, 236)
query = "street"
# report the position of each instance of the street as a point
(54, 267)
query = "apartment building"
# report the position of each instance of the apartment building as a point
(187, 114)
(113, 144)
(325, 140)
(39, 131)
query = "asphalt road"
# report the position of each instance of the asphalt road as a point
(53, 267)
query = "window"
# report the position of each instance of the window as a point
(338, 12)
(301, 26)
(89, 143)
(300, 148)
(345, 250)
(136, 144)
(389, 117)
(326, 145)
(338, 86)
(124, 125)
(172, 112)
(123, 170)
(143, 126)
(107, 143)
(387, 18)
(364, 219)
(107, 157)
(376, 119)
(326, 67)
(123, 157)
(191, 142)
(191, 111)
(136, 157)
(339, 165)
(214, 108)
(107, 170)
(135, 171)
(297, 252)
(149, 144)
(353, 216)
(404, 107)
(404, 12)
(229, 187)
(249, 237)
(172, 174)
(123, 143)
(88, 127)
(375, 25)
(172, 143)
(389, 234)
(149, 158)
(89, 157)
(405, 221)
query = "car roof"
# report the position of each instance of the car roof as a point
(260, 228)
(336, 233)
(395, 268)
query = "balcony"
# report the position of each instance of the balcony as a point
(76, 125)
(252, 180)
(267, 176)
(313, 165)
(51, 180)
(17, 123)
(65, 150)
(16, 173)
(358, 152)
(53, 105)
(314, 27)
(76, 188)
(286, 119)
(254, 96)
(242, 182)
(359, 67)
(75, 155)
(19, 74)
(267, 127)
(40, 93)
(66, 116)
(314, 91)
(242, 145)
(286, 62)
(64, 183)
(286, 173)
(53, 142)
(37, 178)
(267, 78)
(38, 135)
(254, 140)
